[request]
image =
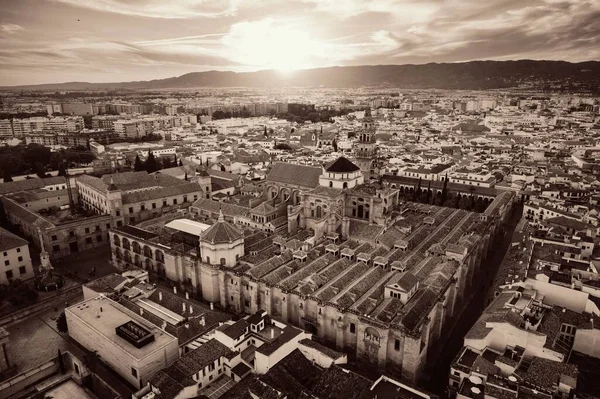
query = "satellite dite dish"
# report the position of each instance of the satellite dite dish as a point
(512, 378)
(475, 380)
(476, 390)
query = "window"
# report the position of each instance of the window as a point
(174, 201)
(76, 367)
(130, 209)
(119, 223)
(18, 249)
(143, 207)
(397, 345)
(208, 259)
(22, 270)
(97, 228)
(154, 205)
(164, 202)
(9, 274)
(71, 234)
(56, 248)
(134, 372)
(88, 240)
(99, 238)
(222, 261)
(211, 367)
(87, 230)
(352, 328)
(20, 259)
(118, 213)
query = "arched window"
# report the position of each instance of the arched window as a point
(160, 257)
(345, 184)
(208, 259)
(352, 328)
(116, 241)
(222, 261)
(147, 252)
(126, 244)
(137, 248)
(331, 184)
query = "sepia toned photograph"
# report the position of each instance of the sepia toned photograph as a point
(299, 199)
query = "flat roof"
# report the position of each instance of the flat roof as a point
(68, 389)
(114, 315)
(160, 311)
(188, 226)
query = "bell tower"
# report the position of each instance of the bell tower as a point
(365, 148)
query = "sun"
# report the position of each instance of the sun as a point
(275, 45)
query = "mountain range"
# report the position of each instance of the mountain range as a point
(471, 75)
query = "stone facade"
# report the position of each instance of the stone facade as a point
(337, 291)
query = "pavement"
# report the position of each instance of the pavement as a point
(80, 264)
(438, 376)
(35, 341)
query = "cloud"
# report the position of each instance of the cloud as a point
(163, 8)
(10, 28)
(169, 37)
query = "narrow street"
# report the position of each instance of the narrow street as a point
(438, 380)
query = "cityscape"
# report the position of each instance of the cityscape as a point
(232, 213)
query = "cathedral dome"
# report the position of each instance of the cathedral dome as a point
(221, 233)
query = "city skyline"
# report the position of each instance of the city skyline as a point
(109, 41)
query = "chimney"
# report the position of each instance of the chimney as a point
(212, 306)
(159, 296)
(191, 310)
(164, 325)
(187, 295)
(272, 333)
(202, 321)
(183, 306)
(141, 312)
(174, 290)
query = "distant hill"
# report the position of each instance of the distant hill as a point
(465, 75)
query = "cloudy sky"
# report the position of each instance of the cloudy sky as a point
(46, 41)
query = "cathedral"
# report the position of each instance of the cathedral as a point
(378, 279)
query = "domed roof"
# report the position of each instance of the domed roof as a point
(221, 232)
(341, 165)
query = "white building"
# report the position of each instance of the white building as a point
(123, 340)
(15, 258)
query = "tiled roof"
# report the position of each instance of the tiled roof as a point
(220, 233)
(341, 165)
(546, 373)
(194, 361)
(29, 184)
(263, 209)
(236, 329)
(337, 382)
(161, 192)
(301, 175)
(215, 206)
(9, 240)
(289, 333)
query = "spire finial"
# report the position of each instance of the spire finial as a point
(221, 218)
